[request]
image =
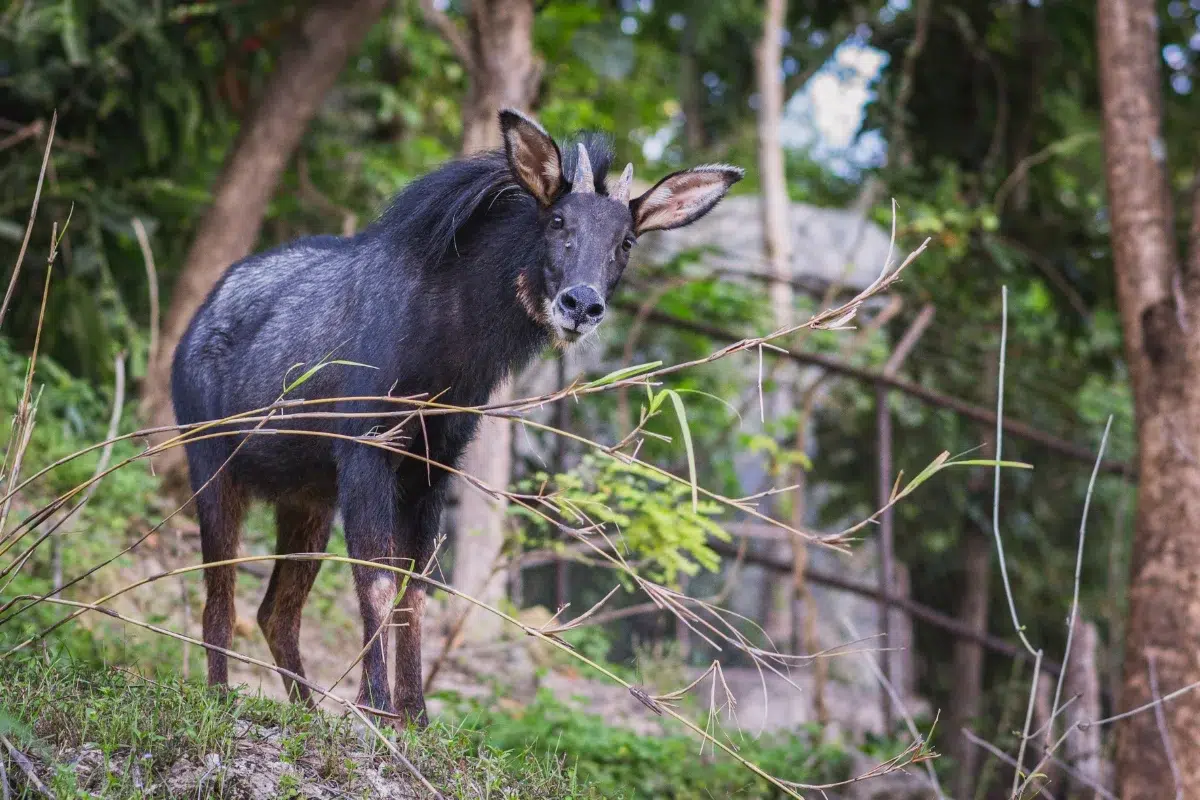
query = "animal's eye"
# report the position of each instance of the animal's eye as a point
(627, 245)
(556, 221)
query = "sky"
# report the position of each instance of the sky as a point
(825, 116)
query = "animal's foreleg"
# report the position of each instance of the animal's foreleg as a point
(368, 500)
(420, 529)
(410, 695)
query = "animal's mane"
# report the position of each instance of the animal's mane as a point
(426, 216)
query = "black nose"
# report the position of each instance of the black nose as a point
(581, 304)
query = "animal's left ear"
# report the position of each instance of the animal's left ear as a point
(533, 156)
(682, 198)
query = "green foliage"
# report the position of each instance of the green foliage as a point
(658, 526)
(140, 126)
(149, 99)
(619, 763)
(70, 418)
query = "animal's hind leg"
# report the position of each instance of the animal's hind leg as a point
(220, 507)
(300, 528)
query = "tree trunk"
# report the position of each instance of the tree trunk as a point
(1042, 722)
(900, 636)
(1084, 748)
(503, 72)
(777, 233)
(691, 91)
(793, 602)
(1156, 293)
(309, 66)
(777, 248)
(967, 681)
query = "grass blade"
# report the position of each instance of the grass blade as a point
(687, 444)
(318, 367)
(621, 374)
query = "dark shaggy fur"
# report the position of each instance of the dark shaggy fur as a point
(442, 294)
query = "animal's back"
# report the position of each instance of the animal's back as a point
(269, 312)
(288, 306)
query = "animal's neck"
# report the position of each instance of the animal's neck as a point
(473, 324)
(494, 334)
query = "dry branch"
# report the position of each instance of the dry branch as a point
(37, 196)
(933, 397)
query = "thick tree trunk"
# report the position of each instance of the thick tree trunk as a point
(1157, 295)
(967, 680)
(503, 72)
(327, 35)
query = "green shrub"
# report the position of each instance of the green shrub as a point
(620, 763)
(656, 520)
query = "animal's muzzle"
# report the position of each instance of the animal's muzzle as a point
(581, 306)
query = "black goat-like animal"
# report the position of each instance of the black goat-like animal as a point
(471, 271)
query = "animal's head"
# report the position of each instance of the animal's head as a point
(589, 234)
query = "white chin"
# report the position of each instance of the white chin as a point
(570, 335)
(567, 335)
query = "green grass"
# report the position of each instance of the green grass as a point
(130, 737)
(96, 731)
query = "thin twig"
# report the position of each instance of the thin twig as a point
(143, 240)
(25, 766)
(114, 420)
(1012, 605)
(37, 196)
(1000, 754)
(1033, 690)
(1008, 593)
(1161, 720)
(1087, 501)
(901, 708)
(22, 426)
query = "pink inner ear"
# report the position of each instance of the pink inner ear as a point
(680, 198)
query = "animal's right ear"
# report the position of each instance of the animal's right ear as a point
(533, 156)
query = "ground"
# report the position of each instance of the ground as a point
(74, 731)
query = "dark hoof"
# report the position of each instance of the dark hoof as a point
(413, 713)
(386, 712)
